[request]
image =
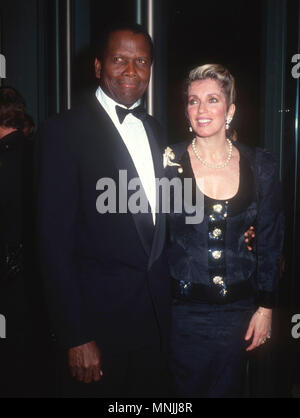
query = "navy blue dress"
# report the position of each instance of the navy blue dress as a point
(211, 308)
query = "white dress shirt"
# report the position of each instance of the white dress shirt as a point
(135, 138)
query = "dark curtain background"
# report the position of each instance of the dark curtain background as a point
(228, 33)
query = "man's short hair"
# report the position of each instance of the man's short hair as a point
(12, 108)
(101, 44)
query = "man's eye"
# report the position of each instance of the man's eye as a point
(142, 61)
(118, 59)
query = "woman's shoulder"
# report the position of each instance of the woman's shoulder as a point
(267, 158)
(258, 157)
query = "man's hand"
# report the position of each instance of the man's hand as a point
(85, 362)
(249, 237)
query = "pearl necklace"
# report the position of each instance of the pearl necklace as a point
(223, 165)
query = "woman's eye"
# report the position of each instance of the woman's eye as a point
(192, 102)
(213, 100)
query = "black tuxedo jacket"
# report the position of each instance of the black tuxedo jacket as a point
(105, 275)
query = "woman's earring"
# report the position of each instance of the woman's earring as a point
(228, 122)
(190, 129)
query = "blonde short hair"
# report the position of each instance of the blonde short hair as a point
(215, 72)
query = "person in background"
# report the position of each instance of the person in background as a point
(27, 341)
(223, 294)
(15, 223)
(29, 126)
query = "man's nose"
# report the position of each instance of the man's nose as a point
(131, 69)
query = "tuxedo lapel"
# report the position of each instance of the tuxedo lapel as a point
(143, 221)
(116, 148)
(160, 226)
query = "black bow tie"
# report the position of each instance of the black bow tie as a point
(139, 112)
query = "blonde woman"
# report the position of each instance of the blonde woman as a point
(223, 294)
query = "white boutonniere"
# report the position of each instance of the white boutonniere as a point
(168, 159)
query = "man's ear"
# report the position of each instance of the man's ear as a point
(97, 68)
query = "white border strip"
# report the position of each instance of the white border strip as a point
(150, 25)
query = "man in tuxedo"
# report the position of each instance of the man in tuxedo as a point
(105, 274)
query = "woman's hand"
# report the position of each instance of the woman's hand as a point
(259, 328)
(249, 238)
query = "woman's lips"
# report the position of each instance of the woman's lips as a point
(203, 122)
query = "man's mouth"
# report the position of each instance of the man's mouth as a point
(129, 84)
